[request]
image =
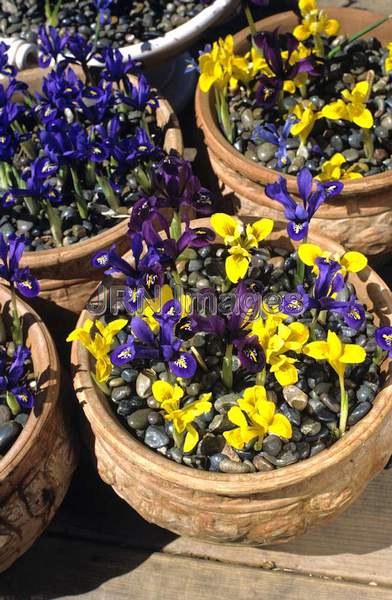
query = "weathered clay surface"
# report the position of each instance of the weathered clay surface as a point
(252, 509)
(36, 472)
(66, 275)
(361, 217)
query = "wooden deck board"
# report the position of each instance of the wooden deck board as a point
(108, 572)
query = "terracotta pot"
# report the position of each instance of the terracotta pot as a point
(66, 276)
(361, 217)
(251, 509)
(36, 472)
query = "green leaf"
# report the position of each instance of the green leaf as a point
(13, 404)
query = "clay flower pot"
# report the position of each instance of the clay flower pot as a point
(361, 217)
(36, 472)
(252, 509)
(66, 276)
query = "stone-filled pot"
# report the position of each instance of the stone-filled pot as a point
(36, 471)
(66, 275)
(361, 217)
(251, 509)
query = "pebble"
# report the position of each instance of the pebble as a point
(215, 461)
(5, 413)
(272, 444)
(295, 397)
(365, 393)
(359, 411)
(229, 466)
(156, 437)
(287, 458)
(139, 418)
(144, 383)
(310, 427)
(129, 375)
(266, 151)
(121, 393)
(261, 464)
(9, 431)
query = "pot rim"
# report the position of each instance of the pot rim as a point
(215, 140)
(46, 258)
(44, 357)
(112, 433)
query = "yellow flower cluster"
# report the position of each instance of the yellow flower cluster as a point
(99, 345)
(241, 240)
(333, 169)
(169, 397)
(221, 67)
(255, 417)
(277, 339)
(388, 60)
(314, 21)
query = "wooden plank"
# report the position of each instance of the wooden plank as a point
(62, 569)
(356, 546)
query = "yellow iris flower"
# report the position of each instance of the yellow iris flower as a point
(154, 305)
(332, 169)
(314, 21)
(221, 67)
(352, 108)
(351, 262)
(388, 60)
(99, 345)
(255, 417)
(276, 339)
(169, 397)
(241, 240)
(333, 350)
(307, 117)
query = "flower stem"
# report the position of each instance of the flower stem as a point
(109, 192)
(16, 326)
(80, 201)
(222, 110)
(55, 224)
(175, 226)
(250, 19)
(227, 367)
(102, 386)
(318, 45)
(357, 35)
(260, 377)
(343, 406)
(12, 403)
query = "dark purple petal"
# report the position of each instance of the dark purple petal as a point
(278, 191)
(184, 365)
(297, 231)
(24, 397)
(305, 181)
(332, 188)
(251, 354)
(26, 284)
(100, 259)
(295, 303)
(141, 330)
(383, 336)
(124, 353)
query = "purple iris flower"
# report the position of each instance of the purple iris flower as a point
(10, 255)
(175, 186)
(270, 133)
(79, 50)
(352, 311)
(272, 45)
(103, 9)
(95, 102)
(299, 216)
(233, 328)
(117, 67)
(10, 377)
(51, 45)
(61, 89)
(127, 151)
(5, 69)
(168, 249)
(383, 337)
(139, 96)
(165, 347)
(144, 276)
(64, 142)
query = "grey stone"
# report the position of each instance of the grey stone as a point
(144, 383)
(295, 397)
(9, 431)
(139, 418)
(156, 437)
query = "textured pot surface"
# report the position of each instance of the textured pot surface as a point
(36, 472)
(361, 217)
(66, 276)
(251, 509)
